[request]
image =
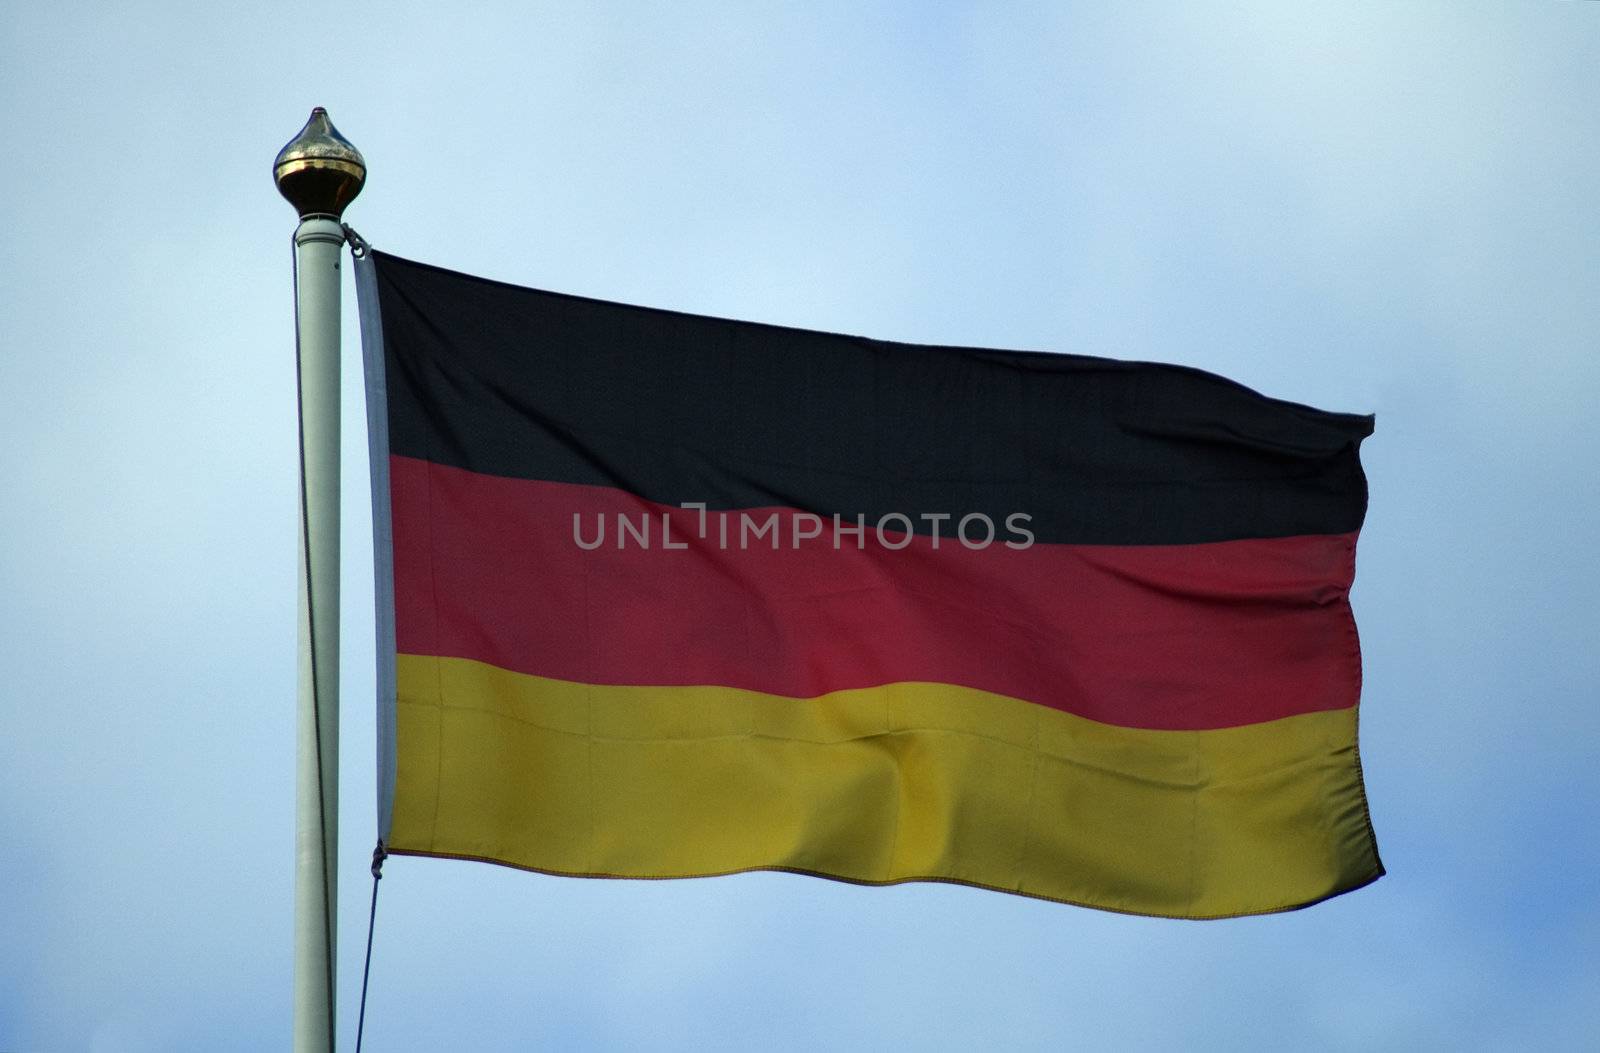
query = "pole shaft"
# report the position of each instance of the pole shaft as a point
(317, 246)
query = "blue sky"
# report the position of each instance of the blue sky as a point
(1367, 207)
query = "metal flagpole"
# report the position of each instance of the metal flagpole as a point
(319, 172)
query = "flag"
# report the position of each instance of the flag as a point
(663, 595)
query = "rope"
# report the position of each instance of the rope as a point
(378, 856)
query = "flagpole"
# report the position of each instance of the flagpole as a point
(319, 172)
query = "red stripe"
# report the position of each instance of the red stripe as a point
(1179, 637)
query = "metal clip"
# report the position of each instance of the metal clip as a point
(358, 245)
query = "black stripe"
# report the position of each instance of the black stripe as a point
(678, 408)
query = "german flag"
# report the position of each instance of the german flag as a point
(668, 596)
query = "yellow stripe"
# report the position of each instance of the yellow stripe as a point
(910, 781)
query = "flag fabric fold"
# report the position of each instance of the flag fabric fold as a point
(664, 595)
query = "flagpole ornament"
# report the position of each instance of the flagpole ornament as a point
(319, 172)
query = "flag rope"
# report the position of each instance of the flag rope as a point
(378, 856)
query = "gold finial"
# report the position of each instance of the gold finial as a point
(319, 172)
